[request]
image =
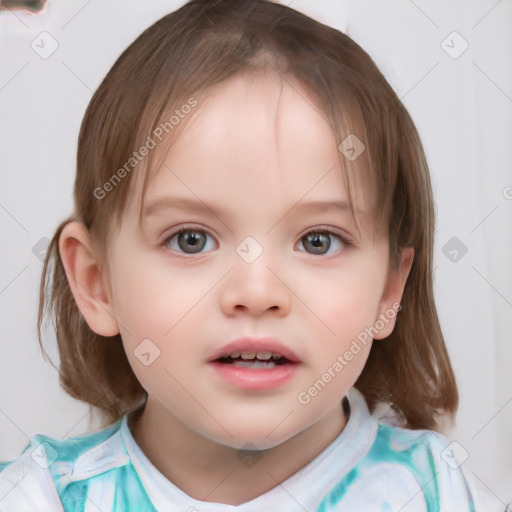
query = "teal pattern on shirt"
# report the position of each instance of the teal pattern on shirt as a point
(397, 447)
(370, 467)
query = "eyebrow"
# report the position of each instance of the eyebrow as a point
(164, 203)
(322, 206)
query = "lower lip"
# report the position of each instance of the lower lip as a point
(255, 379)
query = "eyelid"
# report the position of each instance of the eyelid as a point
(341, 238)
(341, 234)
(185, 227)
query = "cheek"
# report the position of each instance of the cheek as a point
(347, 300)
(155, 304)
(148, 300)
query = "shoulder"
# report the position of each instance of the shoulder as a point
(438, 466)
(406, 470)
(429, 458)
(57, 475)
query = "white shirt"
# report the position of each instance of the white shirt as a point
(369, 467)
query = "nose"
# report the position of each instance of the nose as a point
(255, 289)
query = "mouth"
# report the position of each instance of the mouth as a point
(253, 351)
(254, 360)
(255, 364)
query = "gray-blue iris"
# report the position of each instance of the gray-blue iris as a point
(316, 243)
(191, 241)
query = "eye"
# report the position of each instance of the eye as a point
(322, 242)
(190, 241)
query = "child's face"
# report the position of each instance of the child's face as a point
(256, 172)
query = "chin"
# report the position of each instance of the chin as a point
(246, 435)
(252, 441)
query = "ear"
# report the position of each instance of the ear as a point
(86, 279)
(392, 294)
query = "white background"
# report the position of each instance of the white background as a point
(463, 110)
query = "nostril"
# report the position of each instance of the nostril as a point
(241, 307)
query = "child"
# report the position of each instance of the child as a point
(245, 281)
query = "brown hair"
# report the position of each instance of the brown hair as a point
(181, 57)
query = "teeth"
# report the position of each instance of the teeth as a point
(261, 356)
(255, 364)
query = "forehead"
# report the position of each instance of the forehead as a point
(264, 132)
(264, 125)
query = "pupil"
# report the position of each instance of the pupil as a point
(319, 243)
(191, 241)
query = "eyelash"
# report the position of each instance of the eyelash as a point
(181, 230)
(346, 241)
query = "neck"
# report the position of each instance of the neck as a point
(213, 472)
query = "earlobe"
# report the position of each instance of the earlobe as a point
(86, 280)
(392, 295)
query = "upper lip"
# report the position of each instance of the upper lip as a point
(256, 344)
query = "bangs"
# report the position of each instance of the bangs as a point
(166, 118)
